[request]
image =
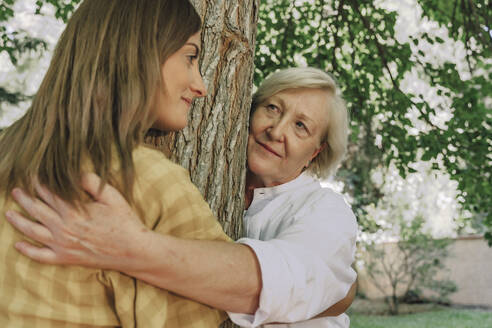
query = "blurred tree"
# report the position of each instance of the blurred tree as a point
(355, 41)
(410, 266)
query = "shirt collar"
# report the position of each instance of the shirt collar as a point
(300, 181)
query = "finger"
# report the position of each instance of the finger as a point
(90, 182)
(35, 207)
(30, 228)
(40, 254)
(108, 195)
(56, 203)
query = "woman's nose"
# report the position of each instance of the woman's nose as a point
(198, 85)
(276, 131)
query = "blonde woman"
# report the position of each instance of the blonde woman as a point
(120, 68)
(302, 236)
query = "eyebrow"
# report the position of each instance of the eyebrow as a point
(303, 116)
(278, 99)
(193, 45)
(300, 115)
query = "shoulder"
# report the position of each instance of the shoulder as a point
(146, 158)
(158, 181)
(328, 207)
(323, 197)
(170, 202)
(151, 164)
(329, 197)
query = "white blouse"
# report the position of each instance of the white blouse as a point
(304, 237)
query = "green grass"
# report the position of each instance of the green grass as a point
(446, 318)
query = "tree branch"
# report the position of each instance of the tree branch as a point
(454, 30)
(288, 28)
(379, 47)
(467, 37)
(336, 38)
(476, 23)
(382, 54)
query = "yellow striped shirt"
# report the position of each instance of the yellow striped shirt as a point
(37, 295)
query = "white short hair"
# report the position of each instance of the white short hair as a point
(335, 137)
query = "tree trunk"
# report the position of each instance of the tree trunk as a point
(213, 146)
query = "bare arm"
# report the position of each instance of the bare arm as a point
(342, 305)
(221, 274)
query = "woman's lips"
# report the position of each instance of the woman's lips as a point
(187, 100)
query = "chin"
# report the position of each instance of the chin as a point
(169, 126)
(256, 168)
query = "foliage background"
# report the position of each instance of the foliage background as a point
(419, 96)
(447, 123)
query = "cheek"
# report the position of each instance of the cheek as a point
(157, 101)
(255, 121)
(257, 128)
(302, 152)
(251, 145)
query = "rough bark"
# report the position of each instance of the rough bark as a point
(213, 146)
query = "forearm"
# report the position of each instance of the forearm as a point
(341, 306)
(223, 275)
(338, 308)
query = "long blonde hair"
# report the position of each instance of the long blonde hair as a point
(96, 96)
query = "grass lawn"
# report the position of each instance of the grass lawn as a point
(443, 318)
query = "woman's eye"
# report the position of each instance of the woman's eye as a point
(272, 107)
(301, 125)
(192, 58)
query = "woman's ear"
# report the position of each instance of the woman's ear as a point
(319, 150)
(315, 153)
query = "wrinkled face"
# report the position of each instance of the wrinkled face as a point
(285, 134)
(182, 83)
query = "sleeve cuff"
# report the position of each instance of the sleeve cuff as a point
(272, 285)
(284, 300)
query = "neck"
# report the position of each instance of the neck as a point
(252, 182)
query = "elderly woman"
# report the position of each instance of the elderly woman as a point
(301, 236)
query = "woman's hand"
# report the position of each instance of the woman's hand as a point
(105, 233)
(342, 305)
